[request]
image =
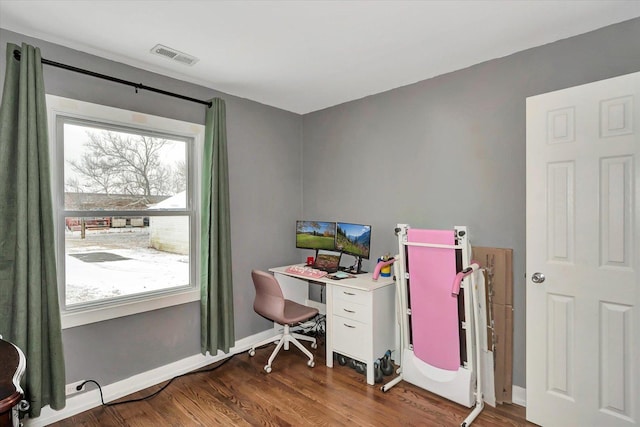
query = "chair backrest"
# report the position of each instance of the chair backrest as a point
(269, 301)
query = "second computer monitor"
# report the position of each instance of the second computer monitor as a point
(354, 239)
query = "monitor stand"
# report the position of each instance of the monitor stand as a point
(356, 268)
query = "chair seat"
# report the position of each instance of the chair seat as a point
(295, 313)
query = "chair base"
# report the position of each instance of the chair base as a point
(283, 340)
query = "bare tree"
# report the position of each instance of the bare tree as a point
(98, 172)
(179, 176)
(73, 185)
(115, 162)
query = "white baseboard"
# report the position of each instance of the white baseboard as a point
(81, 402)
(519, 395)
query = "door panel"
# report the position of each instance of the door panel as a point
(583, 214)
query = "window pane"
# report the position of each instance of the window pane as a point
(117, 170)
(109, 257)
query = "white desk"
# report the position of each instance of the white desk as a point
(360, 312)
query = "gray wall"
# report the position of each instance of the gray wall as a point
(266, 198)
(451, 150)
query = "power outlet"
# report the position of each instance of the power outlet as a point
(71, 388)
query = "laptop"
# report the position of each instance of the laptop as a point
(328, 261)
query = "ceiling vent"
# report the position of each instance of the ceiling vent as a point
(174, 55)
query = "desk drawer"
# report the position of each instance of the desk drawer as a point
(353, 295)
(350, 337)
(351, 310)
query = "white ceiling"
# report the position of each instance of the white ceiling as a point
(303, 56)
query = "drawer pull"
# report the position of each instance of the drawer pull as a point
(349, 311)
(349, 326)
(348, 293)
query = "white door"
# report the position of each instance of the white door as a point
(583, 238)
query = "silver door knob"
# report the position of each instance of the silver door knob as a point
(537, 278)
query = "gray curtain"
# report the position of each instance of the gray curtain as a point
(29, 311)
(216, 302)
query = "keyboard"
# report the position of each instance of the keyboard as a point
(302, 270)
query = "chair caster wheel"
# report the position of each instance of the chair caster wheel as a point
(267, 369)
(311, 363)
(252, 352)
(314, 345)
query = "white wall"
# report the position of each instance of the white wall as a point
(169, 234)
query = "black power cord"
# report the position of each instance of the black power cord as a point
(154, 394)
(318, 328)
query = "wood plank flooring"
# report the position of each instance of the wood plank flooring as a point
(240, 393)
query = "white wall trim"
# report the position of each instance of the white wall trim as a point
(91, 399)
(519, 395)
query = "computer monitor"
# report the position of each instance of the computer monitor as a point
(354, 239)
(315, 235)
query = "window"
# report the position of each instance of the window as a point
(125, 202)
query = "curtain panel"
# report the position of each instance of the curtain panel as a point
(29, 310)
(216, 302)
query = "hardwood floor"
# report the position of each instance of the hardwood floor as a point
(241, 393)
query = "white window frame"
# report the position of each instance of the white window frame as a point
(58, 106)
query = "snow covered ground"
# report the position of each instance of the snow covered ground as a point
(144, 270)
